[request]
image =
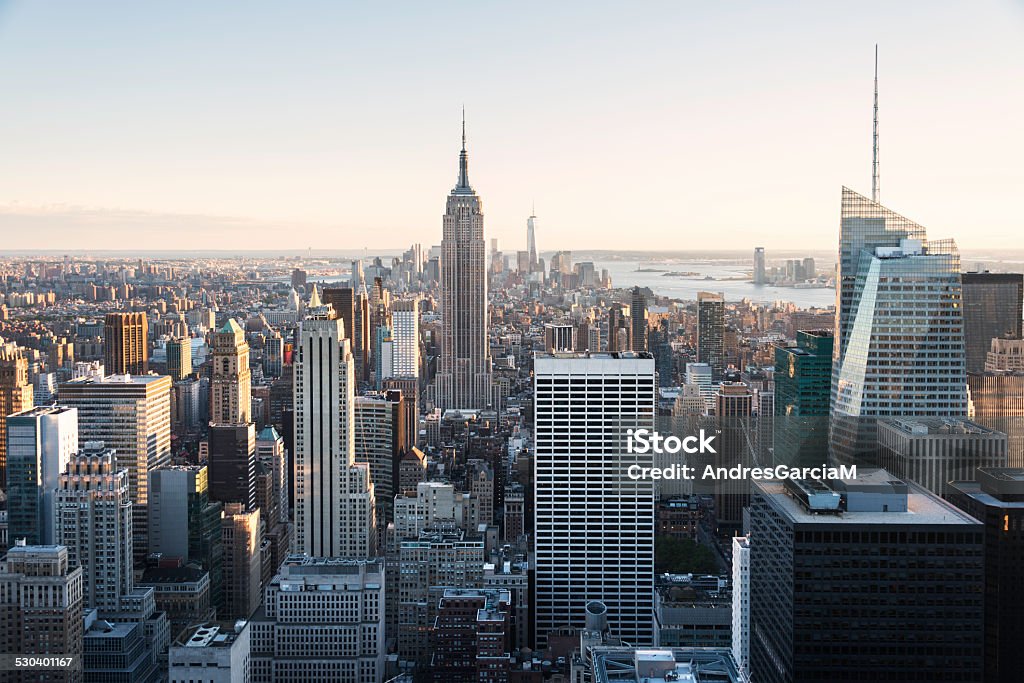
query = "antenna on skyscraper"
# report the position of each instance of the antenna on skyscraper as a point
(464, 127)
(875, 185)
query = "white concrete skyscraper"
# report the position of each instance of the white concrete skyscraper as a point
(594, 524)
(405, 338)
(334, 502)
(464, 376)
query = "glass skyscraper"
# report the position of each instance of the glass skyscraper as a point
(993, 304)
(903, 349)
(803, 377)
(899, 335)
(864, 225)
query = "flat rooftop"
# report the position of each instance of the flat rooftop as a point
(922, 508)
(1001, 487)
(936, 426)
(212, 635)
(665, 665)
(594, 355)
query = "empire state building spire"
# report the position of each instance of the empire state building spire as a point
(462, 187)
(463, 377)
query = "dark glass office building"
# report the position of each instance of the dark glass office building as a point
(997, 499)
(232, 464)
(993, 304)
(803, 381)
(711, 332)
(869, 579)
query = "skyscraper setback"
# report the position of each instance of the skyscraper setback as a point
(94, 521)
(464, 373)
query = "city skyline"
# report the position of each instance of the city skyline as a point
(174, 150)
(526, 446)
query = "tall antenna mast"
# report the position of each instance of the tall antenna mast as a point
(875, 184)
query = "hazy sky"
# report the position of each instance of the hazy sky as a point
(642, 125)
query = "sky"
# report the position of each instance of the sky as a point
(648, 125)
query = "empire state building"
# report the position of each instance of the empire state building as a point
(464, 375)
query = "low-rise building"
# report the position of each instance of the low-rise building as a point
(212, 653)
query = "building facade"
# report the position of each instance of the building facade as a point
(334, 497)
(904, 344)
(41, 598)
(932, 452)
(126, 343)
(16, 395)
(819, 557)
(322, 620)
(992, 305)
(94, 522)
(711, 332)
(231, 382)
(130, 414)
(464, 372)
(40, 444)
(594, 525)
(996, 498)
(803, 381)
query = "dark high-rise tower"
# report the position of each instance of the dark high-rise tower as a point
(868, 579)
(638, 319)
(126, 343)
(711, 332)
(997, 499)
(617, 324)
(803, 381)
(342, 300)
(993, 304)
(464, 374)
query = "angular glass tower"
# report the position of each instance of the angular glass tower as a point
(899, 346)
(864, 224)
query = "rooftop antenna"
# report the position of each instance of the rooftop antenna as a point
(875, 184)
